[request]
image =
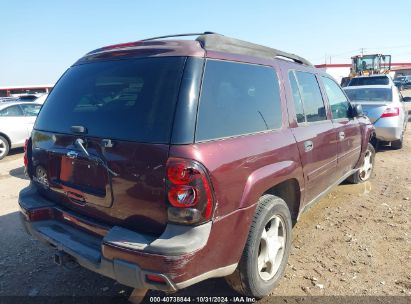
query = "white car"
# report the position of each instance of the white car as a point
(384, 106)
(16, 122)
(377, 79)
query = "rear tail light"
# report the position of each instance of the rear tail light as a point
(153, 278)
(189, 192)
(26, 161)
(391, 112)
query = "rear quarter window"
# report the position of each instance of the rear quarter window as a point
(237, 99)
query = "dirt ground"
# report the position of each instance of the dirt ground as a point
(355, 241)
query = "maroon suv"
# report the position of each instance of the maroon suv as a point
(161, 163)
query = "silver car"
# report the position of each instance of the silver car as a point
(384, 106)
(16, 122)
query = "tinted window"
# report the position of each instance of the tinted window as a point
(336, 98)
(311, 95)
(298, 103)
(378, 80)
(11, 111)
(237, 99)
(369, 94)
(30, 109)
(125, 99)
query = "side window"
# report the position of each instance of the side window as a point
(12, 111)
(311, 95)
(338, 102)
(30, 109)
(298, 103)
(237, 99)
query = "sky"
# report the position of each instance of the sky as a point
(40, 39)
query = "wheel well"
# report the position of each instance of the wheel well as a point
(289, 191)
(7, 138)
(373, 140)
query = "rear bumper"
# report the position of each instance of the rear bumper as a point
(124, 255)
(388, 133)
(388, 129)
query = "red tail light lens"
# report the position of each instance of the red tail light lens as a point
(189, 192)
(26, 161)
(391, 112)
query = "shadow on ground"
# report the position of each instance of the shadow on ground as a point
(27, 268)
(19, 173)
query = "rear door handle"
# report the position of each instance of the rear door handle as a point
(308, 145)
(341, 135)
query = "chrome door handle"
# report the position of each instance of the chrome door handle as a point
(341, 135)
(308, 145)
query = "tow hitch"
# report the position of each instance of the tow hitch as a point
(63, 259)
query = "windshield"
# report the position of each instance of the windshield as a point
(124, 99)
(362, 81)
(369, 94)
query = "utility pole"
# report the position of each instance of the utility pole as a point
(362, 51)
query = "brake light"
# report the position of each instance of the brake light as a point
(155, 279)
(189, 192)
(391, 112)
(25, 159)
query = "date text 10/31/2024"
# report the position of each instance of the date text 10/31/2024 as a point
(202, 299)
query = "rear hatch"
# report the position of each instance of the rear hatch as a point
(101, 141)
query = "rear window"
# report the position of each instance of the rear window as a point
(124, 99)
(369, 94)
(237, 99)
(362, 81)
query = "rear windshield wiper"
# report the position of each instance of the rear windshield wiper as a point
(79, 143)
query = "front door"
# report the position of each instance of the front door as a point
(315, 134)
(347, 128)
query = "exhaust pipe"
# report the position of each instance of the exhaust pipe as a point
(63, 259)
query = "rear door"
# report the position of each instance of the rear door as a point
(347, 128)
(103, 137)
(30, 112)
(314, 133)
(13, 124)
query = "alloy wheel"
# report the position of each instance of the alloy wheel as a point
(366, 168)
(272, 248)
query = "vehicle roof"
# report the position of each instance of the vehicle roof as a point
(11, 103)
(370, 76)
(387, 86)
(204, 43)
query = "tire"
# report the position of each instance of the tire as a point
(272, 215)
(364, 173)
(4, 147)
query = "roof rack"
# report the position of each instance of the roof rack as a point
(217, 42)
(211, 41)
(178, 35)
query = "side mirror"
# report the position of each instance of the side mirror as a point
(357, 110)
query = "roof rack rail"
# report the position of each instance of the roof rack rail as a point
(218, 42)
(178, 35)
(212, 41)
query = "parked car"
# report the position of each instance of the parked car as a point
(28, 97)
(379, 79)
(188, 160)
(385, 108)
(403, 82)
(16, 122)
